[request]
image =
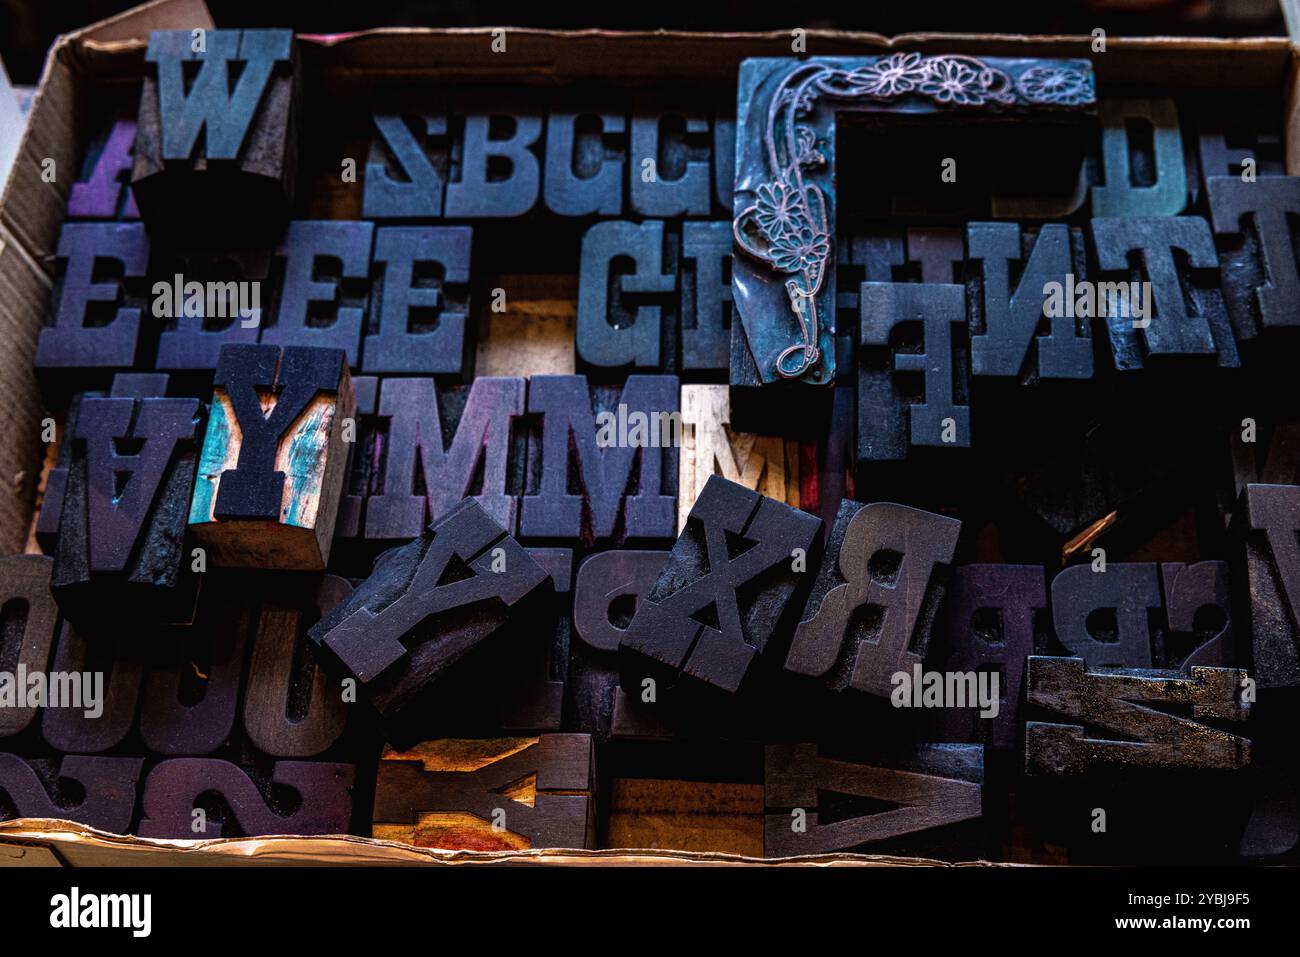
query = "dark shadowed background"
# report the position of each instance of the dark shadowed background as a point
(27, 27)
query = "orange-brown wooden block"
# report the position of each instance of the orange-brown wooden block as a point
(530, 328)
(488, 794)
(274, 456)
(724, 817)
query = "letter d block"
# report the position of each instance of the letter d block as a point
(273, 461)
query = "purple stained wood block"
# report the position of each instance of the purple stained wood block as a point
(455, 439)
(96, 319)
(581, 481)
(175, 790)
(101, 194)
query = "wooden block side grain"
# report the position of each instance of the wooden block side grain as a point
(488, 794)
(706, 816)
(311, 455)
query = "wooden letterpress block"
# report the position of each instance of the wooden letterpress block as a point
(1272, 834)
(988, 622)
(724, 817)
(474, 194)
(875, 256)
(787, 189)
(937, 786)
(107, 788)
(439, 605)
(724, 157)
(538, 703)
(494, 794)
(406, 171)
(1261, 286)
(609, 587)
(586, 156)
(96, 324)
(190, 697)
(935, 254)
(250, 804)
(890, 423)
(1141, 737)
(216, 147)
(28, 615)
(1105, 617)
(104, 190)
(706, 296)
(452, 439)
(1227, 145)
(825, 465)
(670, 159)
(1168, 331)
(627, 318)
(291, 709)
(1111, 483)
(1272, 831)
(603, 441)
(730, 583)
(765, 463)
(1265, 451)
(1005, 340)
(420, 306)
(1196, 596)
(1273, 581)
(268, 486)
(1164, 168)
(365, 461)
(121, 541)
(202, 315)
(130, 385)
(890, 560)
(312, 291)
(536, 334)
(120, 656)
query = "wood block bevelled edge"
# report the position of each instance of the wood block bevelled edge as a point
(489, 794)
(301, 540)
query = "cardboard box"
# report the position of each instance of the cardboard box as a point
(106, 60)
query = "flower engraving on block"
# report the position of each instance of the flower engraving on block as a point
(804, 251)
(892, 76)
(1051, 84)
(787, 226)
(779, 210)
(951, 81)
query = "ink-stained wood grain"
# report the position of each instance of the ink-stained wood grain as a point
(716, 816)
(906, 796)
(488, 794)
(536, 332)
(1121, 703)
(312, 456)
(768, 464)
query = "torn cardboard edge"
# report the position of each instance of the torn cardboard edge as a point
(48, 843)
